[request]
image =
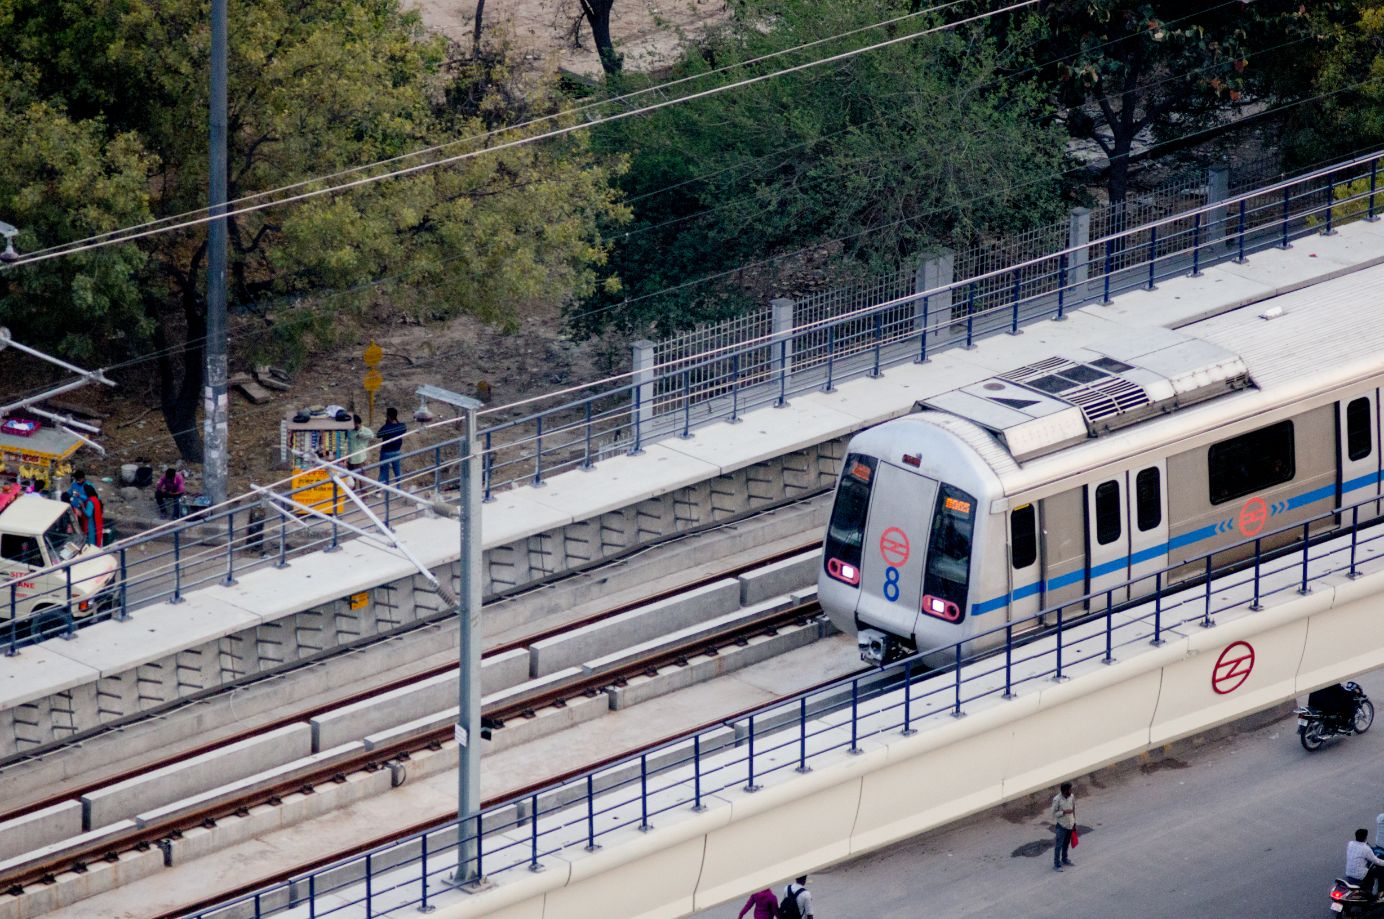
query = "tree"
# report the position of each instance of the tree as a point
(1124, 68)
(1349, 118)
(866, 162)
(315, 87)
(69, 180)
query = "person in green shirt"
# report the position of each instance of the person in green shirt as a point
(358, 444)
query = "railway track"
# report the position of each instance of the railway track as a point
(521, 707)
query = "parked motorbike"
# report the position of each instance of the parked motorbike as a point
(1332, 712)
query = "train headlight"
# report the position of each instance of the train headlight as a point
(842, 571)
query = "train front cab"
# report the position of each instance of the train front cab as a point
(897, 570)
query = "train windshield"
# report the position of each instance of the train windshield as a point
(949, 549)
(846, 531)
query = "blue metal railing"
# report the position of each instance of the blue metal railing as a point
(165, 563)
(785, 737)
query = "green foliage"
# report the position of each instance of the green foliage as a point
(318, 87)
(69, 179)
(1125, 68)
(1350, 117)
(868, 161)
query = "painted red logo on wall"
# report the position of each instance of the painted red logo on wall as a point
(1253, 516)
(1232, 667)
(893, 545)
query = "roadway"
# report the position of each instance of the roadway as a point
(1246, 826)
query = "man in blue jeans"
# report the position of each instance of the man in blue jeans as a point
(1064, 822)
(391, 436)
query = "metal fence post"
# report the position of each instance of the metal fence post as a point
(437, 469)
(686, 405)
(1157, 609)
(177, 566)
(644, 824)
(956, 707)
(487, 469)
(1374, 170)
(283, 542)
(123, 610)
(1109, 267)
(802, 736)
(970, 315)
(538, 452)
(922, 337)
(831, 358)
(749, 762)
(1153, 253)
(781, 318)
(1014, 315)
(336, 507)
(586, 450)
(1196, 246)
(591, 813)
(1206, 620)
(1330, 205)
(1258, 557)
(230, 550)
(1306, 545)
(783, 375)
(1008, 661)
(1285, 244)
(908, 699)
(1354, 538)
(1109, 627)
(735, 388)
(423, 906)
(534, 864)
(369, 886)
(1240, 256)
(855, 704)
(879, 341)
(697, 773)
(13, 647)
(1062, 286)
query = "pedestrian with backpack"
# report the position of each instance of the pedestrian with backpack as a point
(797, 901)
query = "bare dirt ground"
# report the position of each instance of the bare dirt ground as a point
(645, 32)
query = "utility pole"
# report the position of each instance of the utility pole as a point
(468, 727)
(215, 402)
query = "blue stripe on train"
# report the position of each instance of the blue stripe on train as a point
(1177, 542)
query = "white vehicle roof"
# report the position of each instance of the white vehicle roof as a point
(30, 515)
(1246, 363)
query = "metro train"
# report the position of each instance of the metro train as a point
(1087, 472)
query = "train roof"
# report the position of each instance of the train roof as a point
(1130, 391)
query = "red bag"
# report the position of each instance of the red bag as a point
(1075, 839)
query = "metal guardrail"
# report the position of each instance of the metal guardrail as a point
(576, 814)
(163, 564)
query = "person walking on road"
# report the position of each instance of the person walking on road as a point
(1362, 865)
(763, 904)
(797, 901)
(391, 444)
(1064, 823)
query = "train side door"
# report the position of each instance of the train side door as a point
(895, 550)
(1107, 537)
(1025, 567)
(1357, 427)
(1148, 525)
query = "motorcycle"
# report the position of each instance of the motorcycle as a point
(1349, 900)
(1333, 712)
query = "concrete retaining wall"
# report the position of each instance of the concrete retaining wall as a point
(1003, 750)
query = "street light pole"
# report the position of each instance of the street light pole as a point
(468, 727)
(215, 401)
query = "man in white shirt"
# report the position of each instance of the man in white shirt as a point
(1362, 865)
(799, 892)
(1063, 824)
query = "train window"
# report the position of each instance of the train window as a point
(1358, 429)
(1148, 502)
(949, 547)
(846, 530)
(1107, 512)
(1023, 536)
(1251, 462)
